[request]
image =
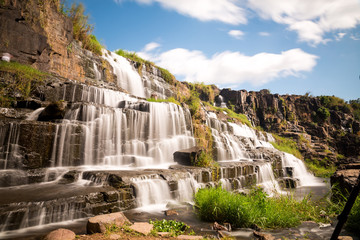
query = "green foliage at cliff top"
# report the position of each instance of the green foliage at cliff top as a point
(82, 29)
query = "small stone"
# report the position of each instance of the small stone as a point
(142, 227)
(98, 223)
(189, 237)
(60, 234)
(171, 212)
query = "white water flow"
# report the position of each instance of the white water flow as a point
(299, 171)
(97, 72)
(151, 190)
(35, 114)
(127, 77)
(142, 135)
(266, 179)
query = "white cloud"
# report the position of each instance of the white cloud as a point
(236, 34)
(227, 11)
(340, 36)
(151, 46)
(234, 68)
(311, 20)
(264, 34)
(353, 37)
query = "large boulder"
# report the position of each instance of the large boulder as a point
(99, 223)
(186, 156)
(54, 111)
(60, 234)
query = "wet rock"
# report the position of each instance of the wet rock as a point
(345, 238)
(54, 111)
(186, 156)
(288, 182)
(142, 227)
(60, 234)
(98, 224)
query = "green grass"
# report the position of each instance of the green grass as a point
(286, 145)
(216, 204)
(353, 222)
(26, 79)
(318, 169)
(174, 227)
(170, 99)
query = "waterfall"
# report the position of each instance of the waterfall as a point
(127, 76)
(35, 114)
(266, 179)
(121, 137)
(151, 190)
(295, 168)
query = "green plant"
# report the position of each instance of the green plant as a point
(322, 114)
(353, 222)
(174, 227)
(216, 204)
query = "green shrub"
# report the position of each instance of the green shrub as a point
(322, 114)
(216, 204)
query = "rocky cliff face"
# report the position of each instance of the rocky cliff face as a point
(321, 132)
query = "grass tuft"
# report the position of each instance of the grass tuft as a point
(286, 145)
(170, 99)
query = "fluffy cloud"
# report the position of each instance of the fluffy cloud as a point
(311, 20)
(264, 34)
(236, 34)
(234, 68)
(227, 11)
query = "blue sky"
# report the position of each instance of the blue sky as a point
(293, 46)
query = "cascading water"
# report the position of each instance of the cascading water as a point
(127, 77)
(295, 168)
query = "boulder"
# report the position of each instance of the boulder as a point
(53, 111)
(60, 234)
(142, 227)
(186, 156)
(263, 236)
(98, 223)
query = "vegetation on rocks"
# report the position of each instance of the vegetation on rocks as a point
(318, 168)
(286, 145)
(82, 29)
(25, 80)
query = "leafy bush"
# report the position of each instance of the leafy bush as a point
(322, 114)
(174, 227)
(216, 204)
